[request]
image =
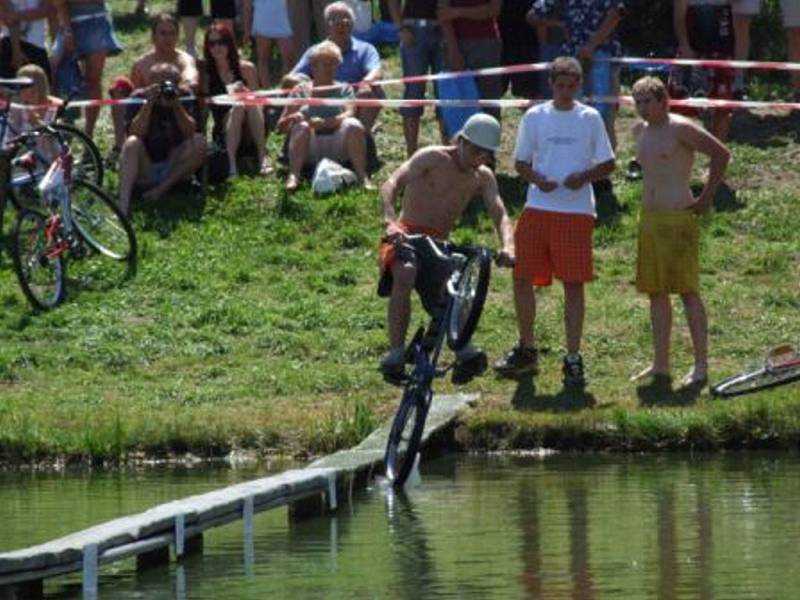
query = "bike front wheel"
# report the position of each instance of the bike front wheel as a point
(760, 379)
(469, 299)
(101, 224)
(406, 434)
(39, 270)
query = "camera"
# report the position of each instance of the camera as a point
(168, 90)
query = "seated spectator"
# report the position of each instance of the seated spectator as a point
(704, 29)
(23, 31)
(40, 108)
(421, 53)
(190, 11)
(163, 146)
(317, 132)
(591, 28)
(268, 22)
(360, 61)
(86, 30)
(226, 72)
(472, 41)
(164, 33)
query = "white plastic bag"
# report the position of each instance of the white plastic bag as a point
(329, 176)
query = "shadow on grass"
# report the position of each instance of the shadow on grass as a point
(659, 392)
(183, 203)
(725, 200)
(569, 399)
(766, 131)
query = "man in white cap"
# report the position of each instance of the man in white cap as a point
(437, 184)
(562, 147)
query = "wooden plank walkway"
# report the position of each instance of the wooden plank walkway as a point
(149, 535)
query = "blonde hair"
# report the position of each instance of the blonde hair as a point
(36, 74)
(326, 49)
(565, 65)
(650, 85)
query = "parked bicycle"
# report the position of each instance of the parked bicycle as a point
(780, 366)
(455, 319)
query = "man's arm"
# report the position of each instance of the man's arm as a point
(596, 173)
(497, 211)
(599, 37)
(186, 123)
(190, 76)
(698, 139)
(141, 121)
(454, 58)
(479, 12)
(540, 180)
(680, 7)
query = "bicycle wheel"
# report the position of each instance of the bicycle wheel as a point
(101, 224)
(469, 299)
(40, 275)
(87, 163)
(754, 381)
(405, 434)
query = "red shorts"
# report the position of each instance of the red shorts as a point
(552, 244)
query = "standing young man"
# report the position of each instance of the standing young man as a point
(562, 147)
(669, 232)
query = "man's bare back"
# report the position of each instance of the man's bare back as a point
(179, 58)
(666, 156)
(437, 190)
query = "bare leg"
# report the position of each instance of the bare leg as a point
(356, 144)
(525, 305)
(574, 309)
(233, 135)
(741, 37)
(698, 328)
(134, 165)
(94, 87)
(190, 33)
(286, 47)
(367, 115)
(299, 145)
(185, 160)
(263, 54)
(399, 310)
(411, 134)
(721, 124)
(661, 322)
(255, 125)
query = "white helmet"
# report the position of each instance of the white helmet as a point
(482, 130)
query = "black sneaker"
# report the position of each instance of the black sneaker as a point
(573, 371)
(393, 372)
(466, 369)
(517, 362)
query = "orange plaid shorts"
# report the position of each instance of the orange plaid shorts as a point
(553, 244)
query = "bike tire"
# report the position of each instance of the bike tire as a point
(406, 434)
(41, 277)
(762, 378)
(471, 290)
(87, 162)
(101, 224)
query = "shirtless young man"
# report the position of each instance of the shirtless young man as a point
(438, 182)
(669, 232)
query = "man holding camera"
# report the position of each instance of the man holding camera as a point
(163, 146)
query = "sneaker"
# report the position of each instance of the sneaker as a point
(470, 363)
(393, 367)
(517, 362)
(112, 159)
(573, 370)
(634, 171)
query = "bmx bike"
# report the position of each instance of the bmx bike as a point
(455, 319)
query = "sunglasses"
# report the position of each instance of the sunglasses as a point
(216, 42)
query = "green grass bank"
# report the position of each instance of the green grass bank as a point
(253, 322)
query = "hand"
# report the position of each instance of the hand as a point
(393, 233)
(455, 60)
(237, 87)
(18, 58)
(547, 185)
(686, 51)
(152, 92)
(407, 37)
(586, 52)
(447, 13)
(69, 41)
(505, 259)
(316, 123)
(575, 181)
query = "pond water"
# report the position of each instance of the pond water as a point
(563, 526)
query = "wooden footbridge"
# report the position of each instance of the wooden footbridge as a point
(176, 528)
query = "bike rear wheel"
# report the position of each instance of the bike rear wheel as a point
(87, 163)
(757, 380)
(101, 224)
(406, 434)
(40, 273)
(469, 299)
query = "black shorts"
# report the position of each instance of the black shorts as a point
(710, 30)
(220, 9)
(35, 54)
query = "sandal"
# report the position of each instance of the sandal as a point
(266, 168)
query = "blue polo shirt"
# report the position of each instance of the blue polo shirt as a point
(357, 62)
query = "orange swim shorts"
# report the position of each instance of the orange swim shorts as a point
(553, 244)
(386, 253)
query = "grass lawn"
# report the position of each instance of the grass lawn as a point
(253, 320)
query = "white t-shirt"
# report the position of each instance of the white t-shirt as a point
(33, 32)
(557, 143)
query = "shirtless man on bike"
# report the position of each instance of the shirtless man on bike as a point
(438, 182)
(669, 228)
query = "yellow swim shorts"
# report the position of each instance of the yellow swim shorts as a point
(668, 260)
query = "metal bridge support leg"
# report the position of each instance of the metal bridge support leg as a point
(90, 565)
